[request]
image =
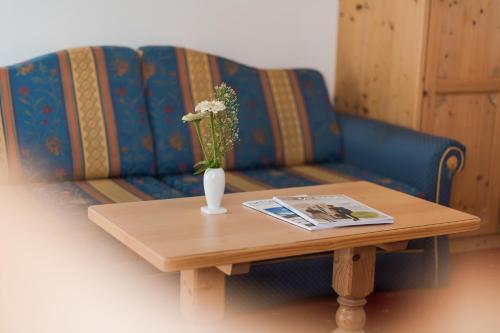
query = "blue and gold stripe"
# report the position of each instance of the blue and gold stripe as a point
(71, 116)
(108, 111)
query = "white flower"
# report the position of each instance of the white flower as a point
(193, 116)
(210, 106)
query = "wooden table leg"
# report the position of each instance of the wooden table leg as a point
(202, 296)
(353, 276)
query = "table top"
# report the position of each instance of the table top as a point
(175, 235)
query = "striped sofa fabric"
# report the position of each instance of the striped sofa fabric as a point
(75, 114)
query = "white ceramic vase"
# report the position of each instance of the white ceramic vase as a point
(214, 183)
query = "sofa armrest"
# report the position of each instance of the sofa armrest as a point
(424, 161)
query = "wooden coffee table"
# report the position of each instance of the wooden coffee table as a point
(173, 235)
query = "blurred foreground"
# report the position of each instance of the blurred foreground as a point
(471, 303)
(60, 273)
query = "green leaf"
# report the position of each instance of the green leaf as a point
(200, 169)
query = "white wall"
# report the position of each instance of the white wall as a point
(265, 33)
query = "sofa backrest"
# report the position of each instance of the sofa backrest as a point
(74, 114)
(285, 115)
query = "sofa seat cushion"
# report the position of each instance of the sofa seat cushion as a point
(81, 194)
(285, 115)
(302, 175)
(75, 114)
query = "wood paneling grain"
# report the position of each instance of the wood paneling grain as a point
(467, 34)
(380, 59)
(469, 119)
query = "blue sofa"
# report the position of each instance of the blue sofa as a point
(99, 125)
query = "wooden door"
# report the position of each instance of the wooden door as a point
(461, 98)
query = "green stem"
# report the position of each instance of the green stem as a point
(214, 141)
(198, 134)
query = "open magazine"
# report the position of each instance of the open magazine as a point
(333, 210)
(362, 214)
(274, 209)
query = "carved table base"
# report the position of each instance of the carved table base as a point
(353, 277)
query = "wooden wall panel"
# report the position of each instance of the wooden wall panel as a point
(462, 96)
(469, 40)
(471, 120)
(431, 65)
(380, 59)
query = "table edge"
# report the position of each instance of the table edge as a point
(279, 251)
(312, 247)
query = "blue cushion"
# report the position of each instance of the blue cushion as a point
(421, 160)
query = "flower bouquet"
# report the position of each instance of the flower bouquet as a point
(216, 125)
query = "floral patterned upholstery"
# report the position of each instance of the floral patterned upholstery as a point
(285, 115)
(75, 114)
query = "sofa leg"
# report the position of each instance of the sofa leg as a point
(202, 298)
(353, 278)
